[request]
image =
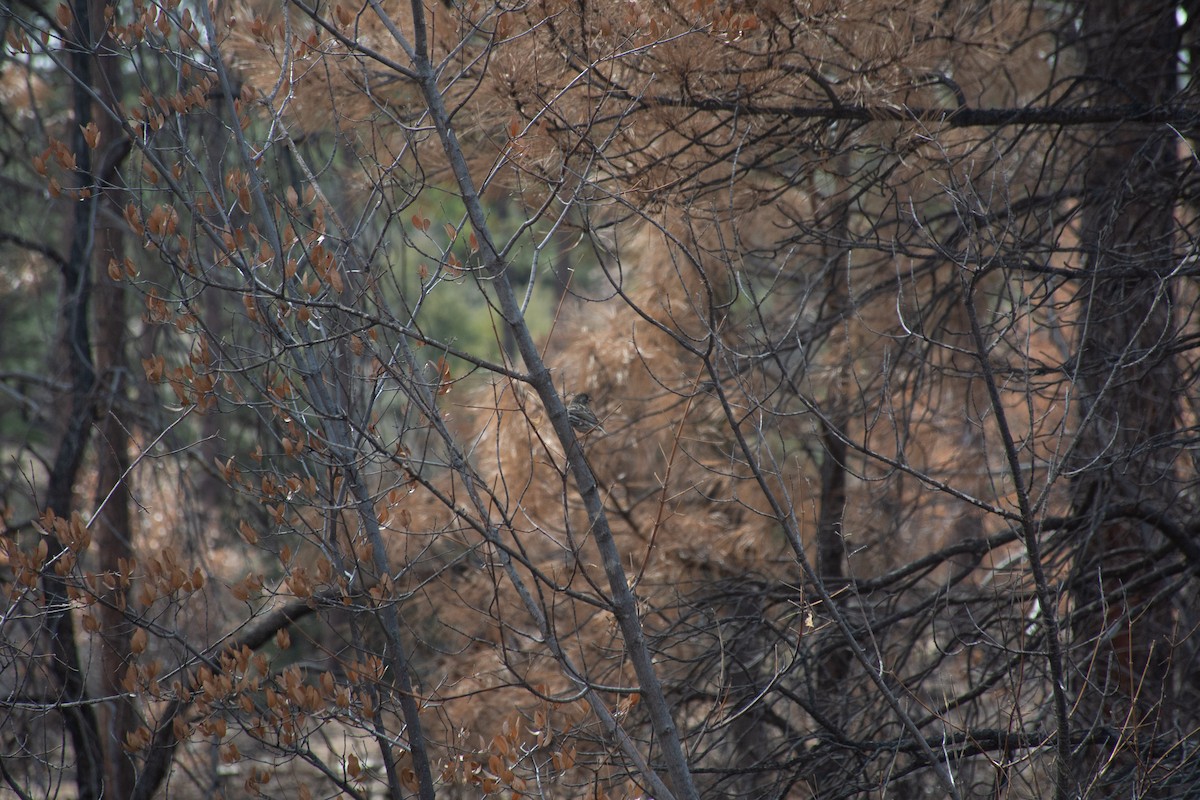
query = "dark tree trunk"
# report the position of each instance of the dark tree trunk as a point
(79, 716)
(1127, 379)
(112, 524)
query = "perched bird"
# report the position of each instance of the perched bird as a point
(582, 418)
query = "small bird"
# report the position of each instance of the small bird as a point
(581, 416)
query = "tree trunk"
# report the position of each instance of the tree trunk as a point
(112, 529)
(79, 716)
(111, 525)
(1127, 379)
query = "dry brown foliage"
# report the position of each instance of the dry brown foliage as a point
(885, 307)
